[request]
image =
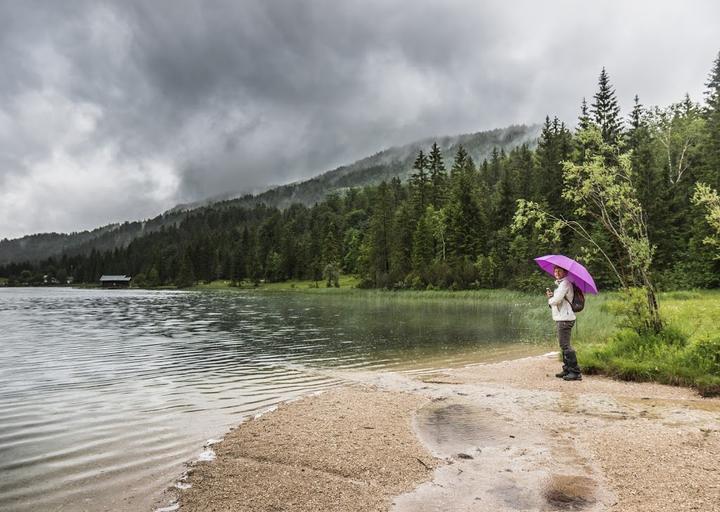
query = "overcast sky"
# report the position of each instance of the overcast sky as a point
(114, 111)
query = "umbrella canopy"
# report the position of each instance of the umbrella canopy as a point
(577, 274)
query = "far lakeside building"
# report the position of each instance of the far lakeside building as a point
(115, 281)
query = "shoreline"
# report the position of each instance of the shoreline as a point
(494, 436)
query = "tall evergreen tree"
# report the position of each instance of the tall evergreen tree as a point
(460, 163)
(636, 116)
(186, 273)
(378, 243)
(420, 184)
(438, 177)
(494, 169)
(584, 120)
(423, 249)
(606, 111)
(401, 243)
(554, 147)
(466, 218)
(711, 167)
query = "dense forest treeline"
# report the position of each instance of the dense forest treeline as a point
(382, 166)
(450, 225)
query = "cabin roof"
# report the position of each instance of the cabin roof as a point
(115, 278)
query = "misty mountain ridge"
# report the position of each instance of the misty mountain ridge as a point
(381, 166)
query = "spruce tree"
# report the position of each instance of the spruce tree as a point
(186, 274)
(420, 184)
(378, 242)
(636, 115)
(494, 169)
(711, 168)
(466, 218)
(401, 242)
(606, 111)
(438, 177)
(460, 163)
(423, 249)
(584, 120)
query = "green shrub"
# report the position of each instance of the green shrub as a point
(705, 354)
(708, 385)
(631, 309)
(534, 283)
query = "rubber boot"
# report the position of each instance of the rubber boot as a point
(564, 371)
(572, 365)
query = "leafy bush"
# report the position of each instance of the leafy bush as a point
(534, 283)
(632, 310)
(705, 354)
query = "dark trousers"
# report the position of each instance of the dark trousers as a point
(564, 329)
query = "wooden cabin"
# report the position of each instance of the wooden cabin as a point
(115, 281)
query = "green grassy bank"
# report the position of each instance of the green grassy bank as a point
(686, 352)
(348, 284)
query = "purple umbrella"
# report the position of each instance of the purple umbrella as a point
(577, 274)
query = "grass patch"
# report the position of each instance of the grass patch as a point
(686, 353)
(220, 284)
(346, 283)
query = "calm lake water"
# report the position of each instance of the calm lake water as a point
(104, 394)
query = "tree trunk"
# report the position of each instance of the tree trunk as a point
(656, 323)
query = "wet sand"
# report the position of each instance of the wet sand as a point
(501, 436)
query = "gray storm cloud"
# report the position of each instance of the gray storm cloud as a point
(119, 110)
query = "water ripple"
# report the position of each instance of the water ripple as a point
(104, 394)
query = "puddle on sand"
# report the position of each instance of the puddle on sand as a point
(452, 428)
(569, 492)
(495, 463)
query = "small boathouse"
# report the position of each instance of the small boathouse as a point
(115, 281)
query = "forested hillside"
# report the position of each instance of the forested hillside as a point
(451, 224)
(392, 162)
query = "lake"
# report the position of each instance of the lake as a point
(105, 394)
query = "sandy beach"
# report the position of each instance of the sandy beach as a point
(501, 436)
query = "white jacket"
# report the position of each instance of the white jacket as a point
(561, 310)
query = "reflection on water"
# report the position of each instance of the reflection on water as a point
(103, 394)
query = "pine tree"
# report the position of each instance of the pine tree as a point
(460, 163)
(186, 274)
(504, 201)
(711, 167)
(494, 169)
(423, 246)
(331, 248)
(584, 120)
(420, 184)
(466, 218)
(401, 243)
(549, 180)
(636, 115)
(377, 245)
(606, 111)
(438, 177)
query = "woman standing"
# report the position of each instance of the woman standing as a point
(560, 304)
